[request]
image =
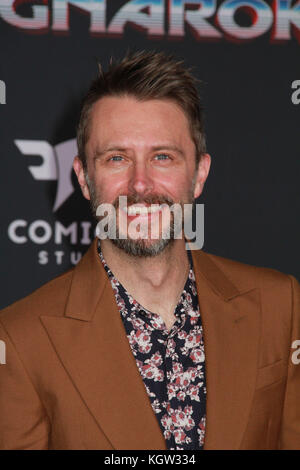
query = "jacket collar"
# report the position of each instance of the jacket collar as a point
(90, 278)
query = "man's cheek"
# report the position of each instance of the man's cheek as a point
(112, 191)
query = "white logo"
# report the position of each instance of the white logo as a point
(56, 165)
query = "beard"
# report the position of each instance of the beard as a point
(142, 247)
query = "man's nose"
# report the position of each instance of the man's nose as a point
(141, 180)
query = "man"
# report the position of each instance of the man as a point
(145, 344)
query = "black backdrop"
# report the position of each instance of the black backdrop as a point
(247, 55)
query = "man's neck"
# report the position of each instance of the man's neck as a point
(155, 282)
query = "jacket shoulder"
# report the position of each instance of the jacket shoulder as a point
(49, 299)
(245, 276)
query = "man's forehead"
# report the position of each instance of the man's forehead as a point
(118, 120)
(110, 104)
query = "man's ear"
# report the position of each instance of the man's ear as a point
(202, 174)
(78, 168)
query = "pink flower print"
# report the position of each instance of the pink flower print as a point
(138, 324)
(202, 423)
(150, 370)
(156, 359)
(182, 334)
(193, 391)
(197, 355)
(201, 431)
(158, 323)
(176, 422)
(192, 340)
(183, 380)
(115, 289)
(179, 436)
(194, 290)
(170, 349)
(182, 418)
(150, 394)
(181, 395)
(133, 302)
(167, 423)
(120, 302)
(177, 368)
(142, 339)
(156, 406)
(172, 389)
(193, 372)
(194, 315)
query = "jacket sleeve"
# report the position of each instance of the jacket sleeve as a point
(23, 421)
(290, 425)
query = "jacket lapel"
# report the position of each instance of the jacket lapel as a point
(230, 330)
(91, 343)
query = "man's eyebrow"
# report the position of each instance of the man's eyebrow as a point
(99, 152)
(174, 148)
(157, 148)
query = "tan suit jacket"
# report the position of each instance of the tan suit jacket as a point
(71, 382)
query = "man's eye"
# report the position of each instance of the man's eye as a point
(162, 156)
(116, 158)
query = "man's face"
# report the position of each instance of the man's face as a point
(142, 150)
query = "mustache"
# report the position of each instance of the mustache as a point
(149, 199)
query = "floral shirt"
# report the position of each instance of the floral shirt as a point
(171, 362)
